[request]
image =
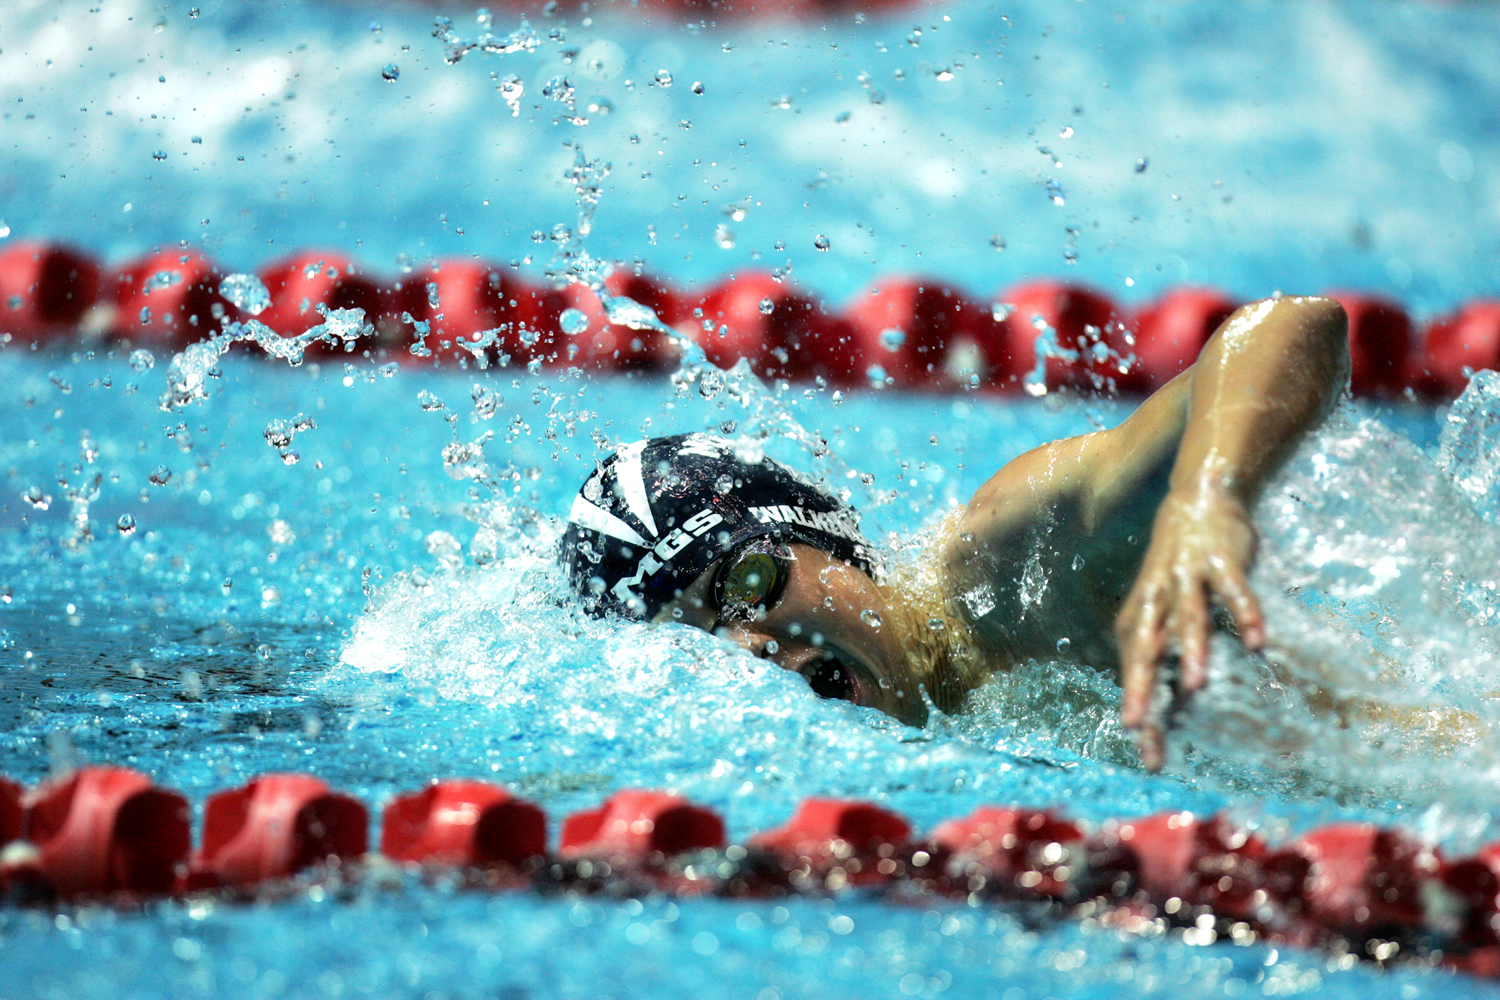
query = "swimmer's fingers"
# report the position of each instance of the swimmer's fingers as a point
(1191, 624)
(1142, 635)
(1152, 746)
(1233, 592)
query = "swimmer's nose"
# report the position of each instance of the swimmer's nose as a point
(750, 639)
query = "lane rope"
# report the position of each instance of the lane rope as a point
(904, 332)
(110, 834)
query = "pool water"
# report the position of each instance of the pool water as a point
(370, 613)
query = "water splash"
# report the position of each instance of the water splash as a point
(455, 47)
(192, 367)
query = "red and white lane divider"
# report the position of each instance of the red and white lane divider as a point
(904, 332)
(106, 833)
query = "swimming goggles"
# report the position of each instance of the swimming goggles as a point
(751, 579)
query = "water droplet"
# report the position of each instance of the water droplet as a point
(280, 532)
(944, 74)
(1066, 132)
(767, 306)
(246, 292)
(160, 154)
(663, 78)
(37, 499)
(573, 321)
(126, 524)
(892, 338)
(998, 242)
(724, 237)
(1055, 192)
(877, 376)
(697, 86)
(391, 72)
(871, 617)
(936, 625)
(724, 484)
(1141, 165)
(161, 476)
(1077, 563)
(772, 647)
(821, 242)
(1064, 644)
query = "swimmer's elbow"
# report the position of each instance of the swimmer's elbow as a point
(1325, 329)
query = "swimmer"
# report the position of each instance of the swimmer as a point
(1122, 549)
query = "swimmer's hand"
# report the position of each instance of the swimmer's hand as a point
(1202, 548)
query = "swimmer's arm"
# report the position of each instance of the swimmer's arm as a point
(1201, 447)
(1267, 376)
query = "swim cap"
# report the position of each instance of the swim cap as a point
(657, 513)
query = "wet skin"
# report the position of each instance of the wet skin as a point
(1123, 541)
(820, 628)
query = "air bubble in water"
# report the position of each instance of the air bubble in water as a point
(160, 154)
(161, 476)
(871, 617)
(391, 72)
(821, 242)
(663, 78)
(767, 307)
(892, 338)
(126, 524)
(1141, 165)
(573, 321)
(37, 499)
(697, 86)
(246, 292)
(141, 359)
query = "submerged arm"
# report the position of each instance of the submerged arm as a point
(1266, 377)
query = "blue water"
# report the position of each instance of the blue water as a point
(377, 618)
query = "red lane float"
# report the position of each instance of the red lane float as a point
(1087, 350)
(1171, 331)
(300, 283)
(10, 811)
(909, 327)
(169, 299)
(756, 317)
(274, 827)
(463, 823)
(904, 332)
(45, 290)
(1457, 346)
(106, 830)
(838, 843)
(1379, 344)
(1013, 849)
(1365, 882)
(634, 825)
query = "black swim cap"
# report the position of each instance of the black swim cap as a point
(657, 513)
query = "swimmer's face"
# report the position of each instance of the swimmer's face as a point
(810, 613)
